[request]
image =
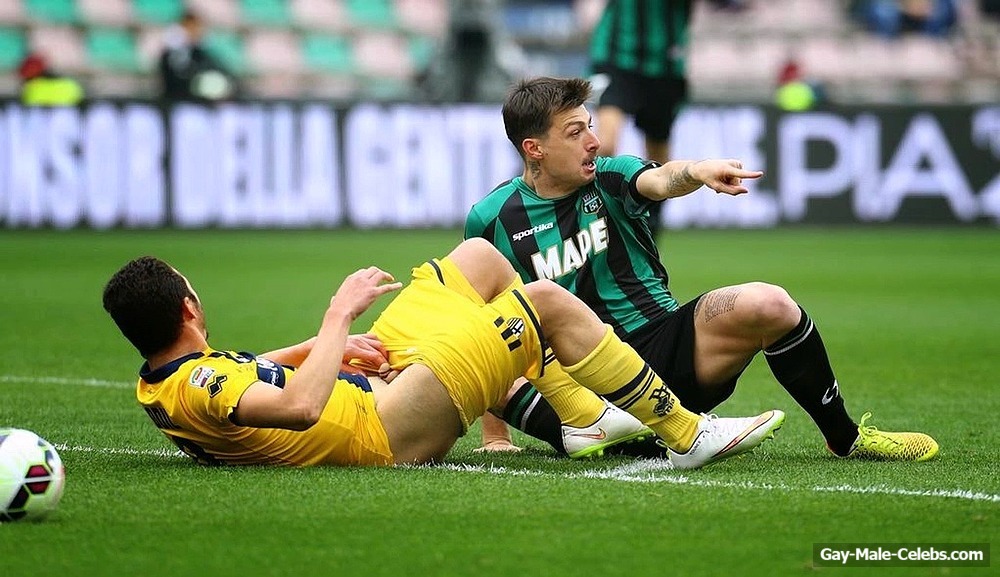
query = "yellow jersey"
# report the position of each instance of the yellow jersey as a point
(192, 398)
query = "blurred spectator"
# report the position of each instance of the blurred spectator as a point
(990, 8)
(890, 18)
(795, 92)
(40, 86)
(638, 55)
(475, 64)
(729, 5)
(187, 70)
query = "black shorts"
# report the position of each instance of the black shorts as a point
(653, 102)
(668, 347)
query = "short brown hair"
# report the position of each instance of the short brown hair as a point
(531, 104)
(145, 298)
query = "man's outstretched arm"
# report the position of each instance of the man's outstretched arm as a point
(300, 403)
(681, 177)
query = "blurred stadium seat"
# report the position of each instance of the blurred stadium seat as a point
(221, 13)
(361, 48)
(105, 12)
(13, 47)
(112, 49)
(328, 53)
(62, 46)
(274, 51)
(229, 48)
(265, 13)
(51, 11)
(371, 13)
(158, 11)
(324, 15)
(427, 17)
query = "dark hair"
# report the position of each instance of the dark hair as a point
(531, 104)
(145, 299)
(190, 17)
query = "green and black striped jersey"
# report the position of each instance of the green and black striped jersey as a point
(595, 242)
(647, 37)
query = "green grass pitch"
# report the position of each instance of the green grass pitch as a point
(911, 318)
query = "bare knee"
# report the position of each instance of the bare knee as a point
(483, 266)
(768, 307)
(550, 300)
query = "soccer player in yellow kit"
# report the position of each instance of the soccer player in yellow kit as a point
(459, 335)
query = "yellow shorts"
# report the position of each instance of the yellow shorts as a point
(475, 349)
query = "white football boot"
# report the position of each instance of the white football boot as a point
(719, 438)
(614, 427)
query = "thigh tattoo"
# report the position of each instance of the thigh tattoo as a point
(717, 302)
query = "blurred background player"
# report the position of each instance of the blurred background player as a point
(638, 59)
(42, 86)
(188, 71)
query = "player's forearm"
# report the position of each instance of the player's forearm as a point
(309, 389)
(671, 180)
(293, 355)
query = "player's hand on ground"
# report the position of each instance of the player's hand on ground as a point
(725, 176)
(499, 446)
(360, 289)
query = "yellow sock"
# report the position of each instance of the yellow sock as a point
(576, 406)
(615, 371)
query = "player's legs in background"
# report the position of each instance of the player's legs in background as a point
(610, 121)
(658, 150)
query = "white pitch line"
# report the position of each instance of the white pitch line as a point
(116, 451)
(642, 471)
(66, 381)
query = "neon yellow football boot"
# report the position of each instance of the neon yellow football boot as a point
(876, 445)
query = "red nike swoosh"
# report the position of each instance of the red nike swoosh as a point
(597, 436)
(753, 427)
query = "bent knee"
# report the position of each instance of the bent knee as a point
(545, 294)
(768, 305)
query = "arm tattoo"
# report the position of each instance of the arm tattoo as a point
(682, 182)
(717, 302)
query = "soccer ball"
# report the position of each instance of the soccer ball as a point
(31, 476)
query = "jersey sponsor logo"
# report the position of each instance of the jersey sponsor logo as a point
(592, 202)
(200, 376)
(552, 263)
(531, 231)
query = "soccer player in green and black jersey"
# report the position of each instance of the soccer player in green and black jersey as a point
(580, 220)
(638, 57)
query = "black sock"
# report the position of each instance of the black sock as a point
(800, 363)
(529, 412)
